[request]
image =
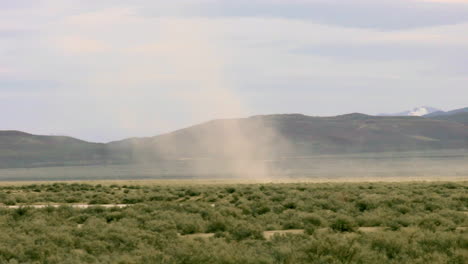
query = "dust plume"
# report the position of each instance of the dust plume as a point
(233, 147)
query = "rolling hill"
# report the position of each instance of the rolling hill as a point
(258, 137)
(296, 135)
(19, 149)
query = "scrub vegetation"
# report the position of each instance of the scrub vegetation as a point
(227, 223)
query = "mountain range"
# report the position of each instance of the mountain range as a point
(258, 137)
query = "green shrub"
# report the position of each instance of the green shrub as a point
(343, 224)
(391, 247)
(245, 230)
(217, 223)
(290, 205)
(312, 219)
(189, 224)
(10, 202)
(230, 190)
(365, 205)
(331, 249)
(433, 222)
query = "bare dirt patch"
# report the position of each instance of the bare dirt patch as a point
(198, 235)
(371, 229)
(270, 234)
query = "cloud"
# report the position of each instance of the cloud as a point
(446, 1)
(382, 14)
(79, 44)
(101, 18)
(146, 67)
(4, 70)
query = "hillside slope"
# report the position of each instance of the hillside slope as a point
(460, 117)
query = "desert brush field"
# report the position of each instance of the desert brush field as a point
(229, 222)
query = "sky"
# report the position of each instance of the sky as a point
(110, 69)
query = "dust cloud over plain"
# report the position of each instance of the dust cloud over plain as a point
(231, 147)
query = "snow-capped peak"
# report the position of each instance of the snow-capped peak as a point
(422, 110)
(417, 111)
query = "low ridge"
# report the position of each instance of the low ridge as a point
(257, 137)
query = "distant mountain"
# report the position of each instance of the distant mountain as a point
(457, 115)
(418, 111)
(461, 110)
(259, 137)
(442, 113)
(436, 113)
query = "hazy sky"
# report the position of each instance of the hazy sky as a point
(108, 69)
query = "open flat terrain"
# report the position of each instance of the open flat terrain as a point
(358, 208)
(434, 165)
